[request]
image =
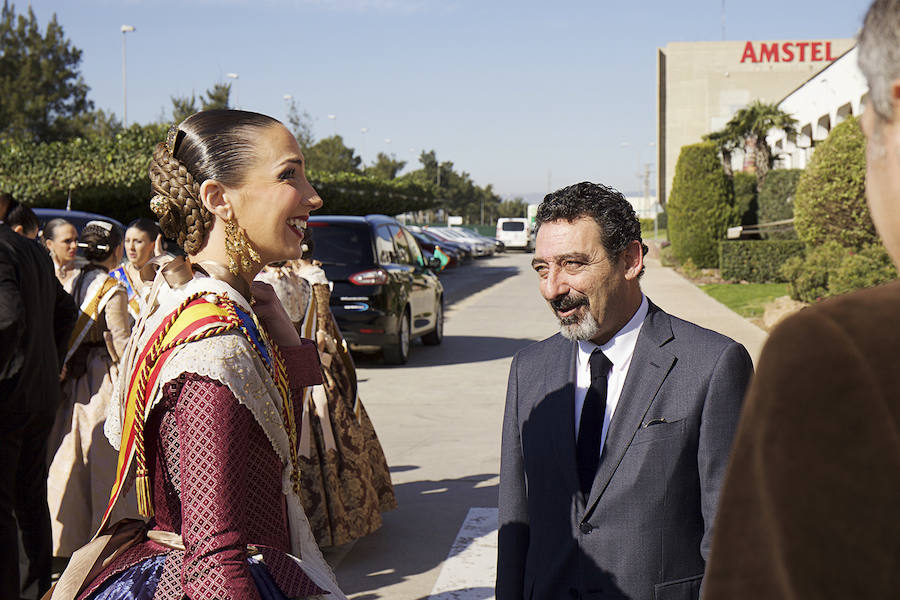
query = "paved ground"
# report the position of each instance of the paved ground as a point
(439, 420)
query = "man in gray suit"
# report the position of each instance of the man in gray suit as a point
(617, 430)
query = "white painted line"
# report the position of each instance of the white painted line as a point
(471, 567)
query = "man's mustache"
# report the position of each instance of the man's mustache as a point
(568, 302)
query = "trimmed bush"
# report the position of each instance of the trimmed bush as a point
(756, 261)
(808, 276)
(701, 205)
(830, 203)
(776, 200)
(869, 267)
(745, 199)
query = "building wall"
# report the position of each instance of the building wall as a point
(702, 84)
(819, 104)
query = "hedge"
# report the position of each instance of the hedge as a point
(776, 200)
(109, 176)
(701, 205)
(756, 261)
(831, 269)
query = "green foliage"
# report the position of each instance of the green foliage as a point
(512, 208)
(776, 200)
(354, 194)
(745, 199)
(42, 93)
(109, 176)
(701, 206)
(830, 202)
(869, 267)
(808, 276)
(756, 261)
(216, 98)
(746, 299)
(331, 155)
(385, 167)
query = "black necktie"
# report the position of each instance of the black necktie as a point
(588, 446)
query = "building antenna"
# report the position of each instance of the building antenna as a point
(723, 20)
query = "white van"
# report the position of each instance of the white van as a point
(515, 234)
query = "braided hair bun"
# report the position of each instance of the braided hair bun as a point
(182, 216)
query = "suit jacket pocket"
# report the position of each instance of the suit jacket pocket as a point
(679, 589)
(655, 429)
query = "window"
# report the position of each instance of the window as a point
(384, 246)
(340, 245)
(513, 226)
(414, 249)
(404, 254)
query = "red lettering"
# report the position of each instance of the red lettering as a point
(787, 50)
(749, 53)
(768, 53)
(816, 51)
(828, 55)
(802, 46)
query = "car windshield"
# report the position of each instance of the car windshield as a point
(338, 244)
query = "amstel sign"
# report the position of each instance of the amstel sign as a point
(787, 52)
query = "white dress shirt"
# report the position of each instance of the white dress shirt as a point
(619, 351)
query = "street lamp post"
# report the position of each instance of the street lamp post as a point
(364, 131)
(235, 77)
(124, 29)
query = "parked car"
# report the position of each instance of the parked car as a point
(479, 247)
(459, 254)
(465, 249)
(385, 293)
(515, 233)
(78, 218)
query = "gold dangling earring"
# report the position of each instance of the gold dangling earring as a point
(241, 253)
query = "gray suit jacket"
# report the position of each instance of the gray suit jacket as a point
(645, 529)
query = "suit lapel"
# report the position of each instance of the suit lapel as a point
(560, 394)
(650, 365)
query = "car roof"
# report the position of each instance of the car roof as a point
(78, 218)
(374, 219)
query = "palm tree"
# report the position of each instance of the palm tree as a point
(726, 141)
(748, 129)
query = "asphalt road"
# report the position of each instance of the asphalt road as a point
(438, 419)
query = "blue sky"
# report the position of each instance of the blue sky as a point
(514, 93)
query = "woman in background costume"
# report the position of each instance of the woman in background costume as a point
(140, 241)
(212, 383)
(61, 239)
(346, 481)
(82, 464)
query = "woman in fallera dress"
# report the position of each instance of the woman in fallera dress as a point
(140, 245)
(346, 481)
(212, 384)
(82, 464)
(61, 239)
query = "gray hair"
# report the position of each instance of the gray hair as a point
(879, 54)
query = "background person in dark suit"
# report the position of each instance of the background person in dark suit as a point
(811, 503)
(36, 318)
(611, 463)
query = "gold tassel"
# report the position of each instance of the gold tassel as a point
(144, 500)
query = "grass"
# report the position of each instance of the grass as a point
(647, 233)
(746, 299)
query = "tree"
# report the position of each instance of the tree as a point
(183, 107)
(42, 94)
(386, 167)
(300, 124)
(701, 205)
(333, 156)
(217, 97)
(516, 207)
(748, 128)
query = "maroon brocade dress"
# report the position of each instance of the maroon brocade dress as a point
(216, 480)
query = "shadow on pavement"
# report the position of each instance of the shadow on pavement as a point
(478, 593)
(455, 350)
(425, 525)
(462, 282)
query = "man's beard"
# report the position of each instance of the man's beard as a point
(575, 326)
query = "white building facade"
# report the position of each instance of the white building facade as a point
(819, 104)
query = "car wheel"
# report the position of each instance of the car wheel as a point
(398, 353)
(436, 336)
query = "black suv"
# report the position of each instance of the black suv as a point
(385, 294)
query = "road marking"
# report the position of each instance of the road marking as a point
(471, 566)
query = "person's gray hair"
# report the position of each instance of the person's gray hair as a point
(879, 54)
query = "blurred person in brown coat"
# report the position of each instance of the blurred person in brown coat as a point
(36, 318)
(810, 503)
